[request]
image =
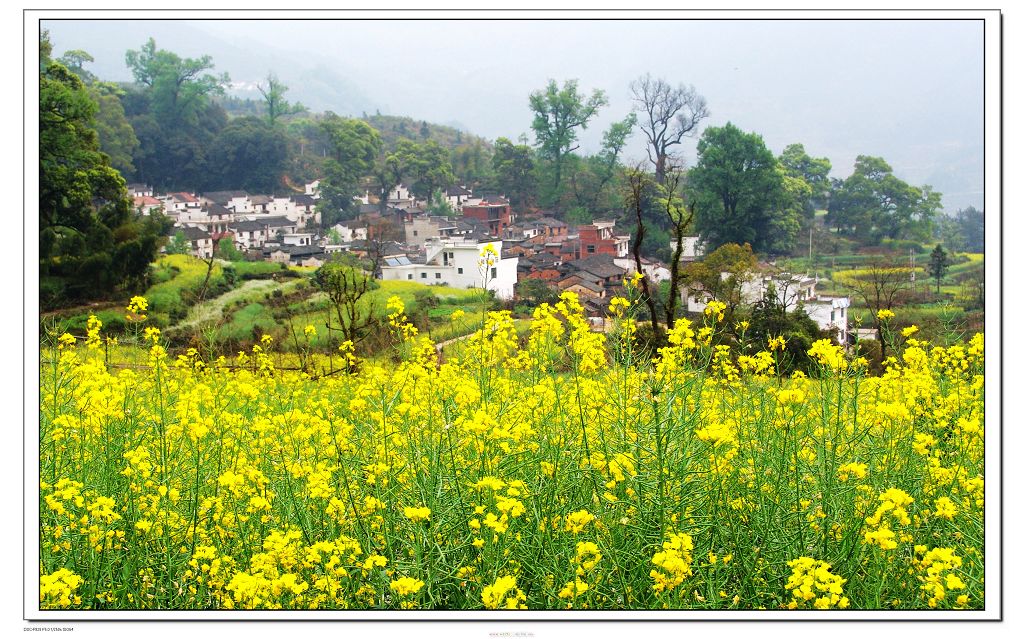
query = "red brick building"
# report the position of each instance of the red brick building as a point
(496, 212)
(599, 239)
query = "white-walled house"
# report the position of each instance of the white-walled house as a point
(692, 248)
(457, 263)
(655, 272)
(201, 241)
(349, 231)
(180, 204)
(400, 192)
(791, 291)
(249, 234)
(297, 239)
(457, 196)
(237, 201)
(828, 311)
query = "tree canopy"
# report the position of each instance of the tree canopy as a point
(354, 146)
(90, 242)
(249, 153)
(558, 114)
(737, 188)
(873, 204)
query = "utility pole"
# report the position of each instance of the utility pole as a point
(913, 273)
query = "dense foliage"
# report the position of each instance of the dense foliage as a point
(90, 242)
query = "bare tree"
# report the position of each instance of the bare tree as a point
(346, 282)
(667, 115)
(880, 284)
(671, 199)
(638, 195)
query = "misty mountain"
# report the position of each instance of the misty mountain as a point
(318, 85)
(910, 91)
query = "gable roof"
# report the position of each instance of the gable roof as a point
(223, 197)
(192, 233)
(277, 221)
(303, 199)
(216, 209)
(247, 225)
(456, 190)
(602, 266)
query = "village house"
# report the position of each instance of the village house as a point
(693, 248)
(302, 210)
(237, 201)
(791, 291)
(599, 238)
(249, 234)
(653, 270)
(180, 203)
(146, 204)
(598, 269)
(540, 267)
(458, 263)
(260, 204)
(349, 231)
(140, 190)
(298, 239)
(457, 196)
(313, 256)
(201, 241)
(421, 228)
(495, 212)
(583, 284)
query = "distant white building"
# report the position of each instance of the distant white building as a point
(457, 196)
(692, 248)
(458, 263)
(297, 239)
(791, 291)
(828, 312)
(655, 272)
(350, 231)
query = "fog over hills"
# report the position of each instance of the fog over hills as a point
(908, 91)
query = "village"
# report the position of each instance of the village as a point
(405, 242)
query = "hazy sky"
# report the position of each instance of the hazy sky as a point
(909, 91)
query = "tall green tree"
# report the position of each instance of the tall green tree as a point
(90, 242)
(471, 161)
(938, 264)
(171, 110)
(971, 224)
(558, 115)
(248, 153)
(429, 166)
(116, 135)
(813, 171)
(354, 146)
(737, 188)
(873, 204)
(178, 87)
(390, 169)
(514, 171)
(273, 91)
(592, 176)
